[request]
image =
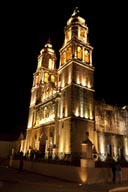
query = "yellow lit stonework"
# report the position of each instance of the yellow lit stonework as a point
(33, 98)
(86, 115)
(69, 78)
(89, 85)
(68, 35)
(39, 62)
(84, 83)
(91, 112)
(30, 119)
(66, 111)
(78, 79)
(102, 147)
(63, 107)
(126, 148)
(77, 112)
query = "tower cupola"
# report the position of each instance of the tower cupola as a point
(47, 57)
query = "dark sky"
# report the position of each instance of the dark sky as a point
(26, 27)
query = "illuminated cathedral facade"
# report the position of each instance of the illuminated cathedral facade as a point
(63, 106)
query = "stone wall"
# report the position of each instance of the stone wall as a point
(71, 173)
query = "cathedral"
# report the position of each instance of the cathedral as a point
(63, 108)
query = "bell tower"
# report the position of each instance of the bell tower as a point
(61, 109)
(42, 104)
(76, 84)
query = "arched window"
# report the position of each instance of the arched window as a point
(86, 56)
(63, 58)
(52, 78)
(69, 53)
(79, 52)
(46, 76)
(50, 65)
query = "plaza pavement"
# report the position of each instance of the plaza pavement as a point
(11, 180)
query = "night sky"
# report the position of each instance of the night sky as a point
(26, 27)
